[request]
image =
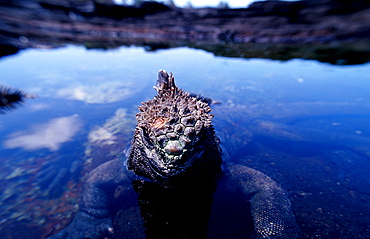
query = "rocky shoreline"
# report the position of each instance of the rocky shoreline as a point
(303, 28)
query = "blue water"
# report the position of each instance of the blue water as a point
(305, 124)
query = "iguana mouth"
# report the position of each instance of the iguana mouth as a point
(173, 149)
(166, 166)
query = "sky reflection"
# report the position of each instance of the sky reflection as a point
(75, 74)
(302, 122)
(50, 135)
(98, 77)
(106, 92)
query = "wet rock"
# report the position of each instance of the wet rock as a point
(54, 174)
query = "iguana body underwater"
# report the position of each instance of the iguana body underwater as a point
(173, 165)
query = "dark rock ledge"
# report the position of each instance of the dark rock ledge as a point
(334, 31)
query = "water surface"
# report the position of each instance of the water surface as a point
(305, 124)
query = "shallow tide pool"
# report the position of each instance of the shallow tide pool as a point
(305, 124)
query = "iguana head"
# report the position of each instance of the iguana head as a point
(173, 133)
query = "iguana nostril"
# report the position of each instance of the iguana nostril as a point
(173, 147)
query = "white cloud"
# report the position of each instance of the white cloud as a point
(49, 135)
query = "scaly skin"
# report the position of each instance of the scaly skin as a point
(173, 165)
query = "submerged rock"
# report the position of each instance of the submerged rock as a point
(16, 173)
(108, 141)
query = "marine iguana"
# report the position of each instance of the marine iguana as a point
(174, 164)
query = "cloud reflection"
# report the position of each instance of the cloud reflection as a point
(102, 93)
(39, 106)
(49, 135)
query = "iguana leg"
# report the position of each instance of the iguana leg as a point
(93, 219)
(270, 207)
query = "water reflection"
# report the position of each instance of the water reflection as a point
(103, 93)
(49, 135)
(76, 74)
(303, 123)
